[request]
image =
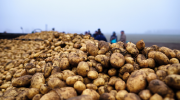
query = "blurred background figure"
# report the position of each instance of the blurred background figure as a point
(89, 32)
(94, 35)
(113, 38)
(123, 37)
(53, 29)
(100, 36)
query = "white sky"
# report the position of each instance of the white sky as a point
(78, 16)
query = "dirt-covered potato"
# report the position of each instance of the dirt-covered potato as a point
(103, 47)
(56, 83)
(168, 52)
(157, 86)
(129, 59)
(37, 80)
(44, 89)
(159, 57)
(117, 60)
(55, 75)
(92, 93)
(22, 81)
(151, 77)
(47, 70)
(52, 95)
(173, 69)
(99, 67)
(79, 86)
(112, 72)
(32, 92)
(131, 96)
(125, 76)
(72, 79)
(91, 86)
(178, 95)
(174, 61)
(99, 81)
(136, 81)
(37, 97)
(173, 81)
(126, 68)
(66, 74)
(83, 68)
(92, 49)
(142, 61)
(92, 74)
(132, 49)
(19, 73)
(101, 90)
(103, 59)
(151, 63)
(120, 85)
(106, 96)
(161, 74)
(113, 80)
(145, 94)
(74, 58)
(81, 97)
(140, 45)
(156, 97)
(120, 94)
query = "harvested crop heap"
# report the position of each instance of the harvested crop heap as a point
(77, 67)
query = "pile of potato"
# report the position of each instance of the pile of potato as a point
(77, 67)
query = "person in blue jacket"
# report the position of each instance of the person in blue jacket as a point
(100, 36)
(113, 38)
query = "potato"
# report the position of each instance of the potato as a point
(74, 59)
(131, 96)
(32, 92)
(83, 68)
(106, 96)
(71, 80)
(113, 92)
(112, 72)
(44, 89)
(92, 49)
(91, 86)
(120, 85)
(66, 92)
(120, 94)
(103, 59)
(125, 76)
(117, 60)
(87, 80)
(108, 88)
(168, 52)
(159, 57)
(66, 74)
(140, 45)
(173, 69)
(79, 86)
(102, 89)
(113, 80)
(5, 85)
(8, 98)
(161, 74)
(178, 95)
(126, 68)
(132, 49)
(151, 77)
(56, 83)
(142, 61)
(9, 65)
(174, 61)
(91, 58)
(92, 74)
(99, 67)
(99, 82)
(129, 59)
(64, 64)
(55, 75)
(173, 81)
(103, 46)
(81, 97)
(29, 66)
(19, 73)
(156, 97)
(151, 63)
(52, 95)
(55, 69)
(145, 94)
(157, 86)
(136, 81)
(37, 80)
(10, 92)
(22, 81)
(92, 93)
(47, 70)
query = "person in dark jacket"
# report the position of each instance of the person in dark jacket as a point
(100, 36)
(113, 38)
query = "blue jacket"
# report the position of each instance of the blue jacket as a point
(100, 37)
